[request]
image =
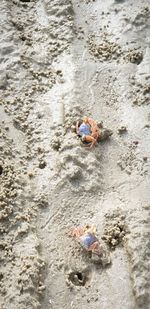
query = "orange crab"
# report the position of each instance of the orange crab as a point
(88, 130)
(87, 239)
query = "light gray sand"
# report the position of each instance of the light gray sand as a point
(60, 60)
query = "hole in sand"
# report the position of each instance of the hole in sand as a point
(79, 277)
(42, 164)
(1, 170)
(25, 1)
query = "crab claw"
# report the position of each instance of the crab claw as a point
(96, 248)
(76, 232)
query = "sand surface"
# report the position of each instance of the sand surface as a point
(61, 60)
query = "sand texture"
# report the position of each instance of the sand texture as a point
(61, 60)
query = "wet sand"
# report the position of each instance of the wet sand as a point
(59, 61)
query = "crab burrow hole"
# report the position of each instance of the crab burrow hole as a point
(79, 277)
(1, 169)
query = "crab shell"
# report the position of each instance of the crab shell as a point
(87, 240)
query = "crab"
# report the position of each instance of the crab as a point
(87, 239)
(92, 132)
